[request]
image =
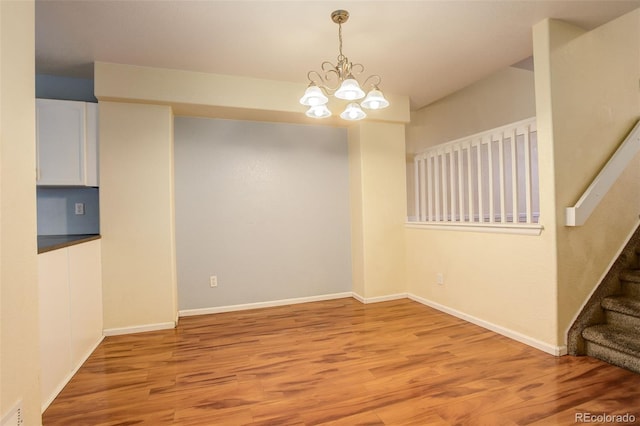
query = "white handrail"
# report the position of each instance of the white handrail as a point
(578, 214)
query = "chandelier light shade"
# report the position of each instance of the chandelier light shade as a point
(353, 112)
(318, 111)
(349, 90)
(375, 100)
(340, 81)
(313, 96)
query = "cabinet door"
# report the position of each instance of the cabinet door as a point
(85, 289)
(60, 138)
(55, 335)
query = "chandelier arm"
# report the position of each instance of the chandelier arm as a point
(376, 81)
(331, 72)
(322, 82)
(328, 67)
(356, 69)
(318, 77)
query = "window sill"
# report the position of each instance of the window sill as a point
(495, 228)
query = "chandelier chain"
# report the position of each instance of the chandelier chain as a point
(340, 56)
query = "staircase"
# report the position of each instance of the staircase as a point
(608, 328)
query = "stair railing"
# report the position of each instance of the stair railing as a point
(487, 179)
(580, 212)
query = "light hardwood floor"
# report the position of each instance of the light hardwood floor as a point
(337, 362)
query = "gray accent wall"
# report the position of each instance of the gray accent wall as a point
(56, 211)
(264, 207)
(66, 88)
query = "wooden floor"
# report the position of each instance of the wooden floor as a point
(337, 362)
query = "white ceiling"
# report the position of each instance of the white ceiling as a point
(423, 49)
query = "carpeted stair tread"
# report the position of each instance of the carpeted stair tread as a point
(623, 304)
(632, 275)
(624, 341)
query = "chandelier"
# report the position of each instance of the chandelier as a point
(339, 80)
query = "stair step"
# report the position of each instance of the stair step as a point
(622, 304)
(631, 275)
(630, 280)
(623, 321)
(622, 312)
(613, 345)
(615, 338)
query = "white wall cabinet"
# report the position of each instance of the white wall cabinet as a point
(66, 143)
(70, 289)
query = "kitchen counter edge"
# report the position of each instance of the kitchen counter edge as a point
(48, 243)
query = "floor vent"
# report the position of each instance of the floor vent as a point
(14, 416)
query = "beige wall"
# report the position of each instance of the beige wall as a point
(19, 350)
(378, 197)
(136, 215)
(503, 280)
(593, 101)
(504, 97)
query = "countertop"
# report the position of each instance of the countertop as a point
(54, 242)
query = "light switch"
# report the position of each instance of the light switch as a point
(79, 208)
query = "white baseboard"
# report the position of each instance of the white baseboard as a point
(258, 305)
(138, 328)
(527, 340)
(379, 299)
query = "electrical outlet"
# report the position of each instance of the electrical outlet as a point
(213, 281)
(79, 208)
(440, 278)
